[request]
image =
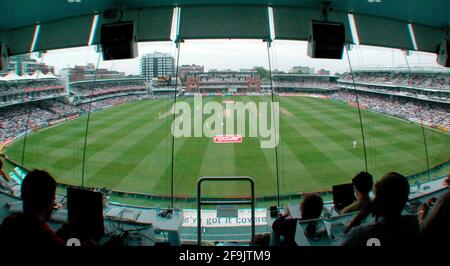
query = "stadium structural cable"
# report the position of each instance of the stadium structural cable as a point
(166, 154)
(280, 144)
(274, 123)
(420, 115)
(87, 121)
(28, 116)
(359, 109)
(172, 196)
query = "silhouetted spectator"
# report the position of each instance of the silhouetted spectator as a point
(363, 183)
(30, 228)
(390, 227)
(262, 240)
(435, 220)
(5, 180)
(310, 208)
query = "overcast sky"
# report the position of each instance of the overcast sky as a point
(236, 54)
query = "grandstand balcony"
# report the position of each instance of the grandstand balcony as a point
(424, 79)
(227, 87)
(30, 93)
(438, 96)
(84, 91)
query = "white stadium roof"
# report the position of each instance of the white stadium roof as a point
(37, 75)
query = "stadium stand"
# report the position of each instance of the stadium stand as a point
(404, 108)
(85, 91)
(19, 91)
(14, 119)
(42, 111)
(223, 82)
(378, 93)
(401, 77)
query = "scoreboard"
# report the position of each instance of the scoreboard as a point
(164, 80)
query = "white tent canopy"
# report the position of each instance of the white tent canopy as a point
(26, 76)
(11, 76)
(37, 75)
(49, 75)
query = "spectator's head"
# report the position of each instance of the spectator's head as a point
(38, 194)
(363, 182)
(391, 194)
(311, 206)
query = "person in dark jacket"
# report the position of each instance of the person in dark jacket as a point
(363, 183)
(285, 225)
(434, 218)
(390, 229)
(30, 228)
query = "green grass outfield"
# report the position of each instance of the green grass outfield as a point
(129, 149)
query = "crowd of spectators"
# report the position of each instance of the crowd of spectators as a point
(25, 91)
(101, 104)
(421, 80)
(405, 109)
(26, 86)
(414, 93)
(20, 91)
(13, 119)
(107, 88)
(243, 77)
(305, 83)
(59, 108)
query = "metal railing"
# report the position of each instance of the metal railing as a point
(201, 202)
